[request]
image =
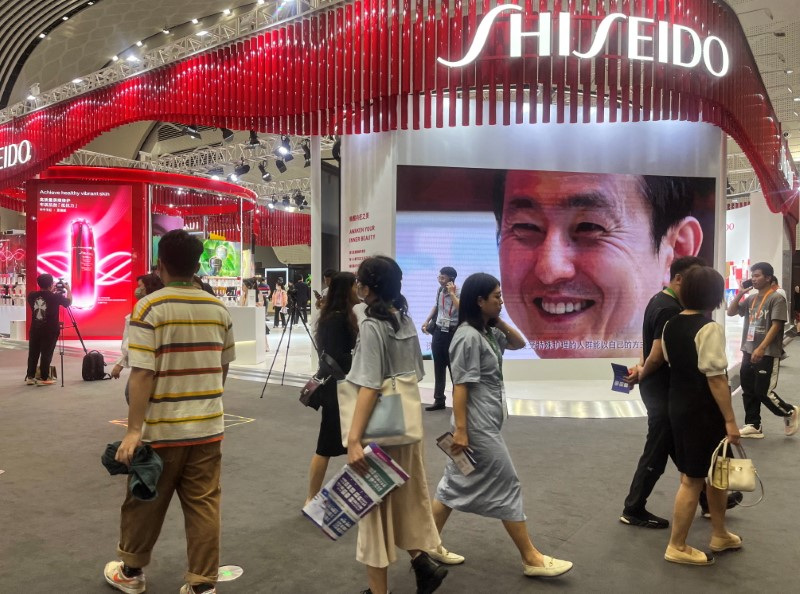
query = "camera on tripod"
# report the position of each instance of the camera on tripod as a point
(61, 286)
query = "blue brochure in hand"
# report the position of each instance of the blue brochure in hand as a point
(619, 384)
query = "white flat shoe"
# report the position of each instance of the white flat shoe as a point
(552, 568)
(442, 555)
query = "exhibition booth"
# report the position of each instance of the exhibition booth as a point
(573, 153)
(98, 230)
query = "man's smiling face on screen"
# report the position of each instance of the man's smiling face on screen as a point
(577, 257)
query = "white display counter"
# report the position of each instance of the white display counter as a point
(248, 330)
(9, 313)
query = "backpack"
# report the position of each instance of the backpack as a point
(94, 367)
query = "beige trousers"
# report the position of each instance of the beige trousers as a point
(193, 472)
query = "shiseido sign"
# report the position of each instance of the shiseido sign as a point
(648, 40)
(15, 154)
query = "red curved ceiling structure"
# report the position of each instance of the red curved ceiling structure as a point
(371, 65)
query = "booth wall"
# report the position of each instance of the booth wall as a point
(766, 234)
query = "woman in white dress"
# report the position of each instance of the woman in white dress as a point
(479, 409)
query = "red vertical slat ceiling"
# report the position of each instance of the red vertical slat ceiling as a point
(343, 70)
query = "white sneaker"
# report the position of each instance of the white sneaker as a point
(442, 555)
(791, 423)
(751, 431)
(117, 579)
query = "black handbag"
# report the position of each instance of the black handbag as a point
(328, 369)
(432, 324)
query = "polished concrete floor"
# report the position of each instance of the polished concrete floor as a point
(59, 509)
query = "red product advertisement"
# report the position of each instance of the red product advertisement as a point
(84, 236)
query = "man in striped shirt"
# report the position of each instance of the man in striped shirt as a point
(180, 345)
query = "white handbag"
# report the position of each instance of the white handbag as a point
(733, 474)
(397, 417)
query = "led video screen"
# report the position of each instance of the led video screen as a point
(578, 255)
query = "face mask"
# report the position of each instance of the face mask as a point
(139, 293)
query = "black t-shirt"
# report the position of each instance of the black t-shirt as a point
(660, 310)
(44, 310)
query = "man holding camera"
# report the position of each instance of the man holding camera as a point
(442, 323)
(45, 327)
(764, 314)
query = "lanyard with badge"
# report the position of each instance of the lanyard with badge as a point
(754, 321)
(496, 349)
(444, 325)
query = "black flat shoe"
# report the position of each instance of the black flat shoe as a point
(436, 406)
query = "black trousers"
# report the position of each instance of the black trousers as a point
(440, 350)
(41, 345)
(278, 312)
(658, 447)
(759, 381)
(299, 312)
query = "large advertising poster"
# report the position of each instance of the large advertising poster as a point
(84, 237)
(578, 255)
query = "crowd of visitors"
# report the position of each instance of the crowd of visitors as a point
(363, 325)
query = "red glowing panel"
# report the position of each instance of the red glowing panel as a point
(85, 237)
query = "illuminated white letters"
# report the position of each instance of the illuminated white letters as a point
(634, 37)
(515, 50)
(677, 54)
(726, 60)
(15, 154)
(602, 35)
(666, 42)
(481, 35)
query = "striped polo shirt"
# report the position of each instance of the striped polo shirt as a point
(185, 336)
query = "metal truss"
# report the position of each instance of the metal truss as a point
(742, 182)
(203, 158)
(264, 191)
(738, 163)
(262, 17)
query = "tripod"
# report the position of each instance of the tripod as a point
(293, 314)
(62, 325)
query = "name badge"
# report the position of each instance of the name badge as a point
(751, 333)
(444, 328)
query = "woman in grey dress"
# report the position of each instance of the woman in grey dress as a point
(479, 409)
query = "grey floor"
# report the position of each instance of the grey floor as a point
(59, 509)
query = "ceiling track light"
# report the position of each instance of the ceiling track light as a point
(190, 131)
(242, 169)
(285, 200)
(305, 145)
(265, 175)
(253, 141)
(281, 166)
(227, 135)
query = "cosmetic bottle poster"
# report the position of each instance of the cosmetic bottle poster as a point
(85, 238)
(220, 258)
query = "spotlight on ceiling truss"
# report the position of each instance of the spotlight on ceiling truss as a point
(242, 169)
(265, 175)
(253, 141)
(280, 165)
(190, 131)
(306, 146)
(227, 135)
